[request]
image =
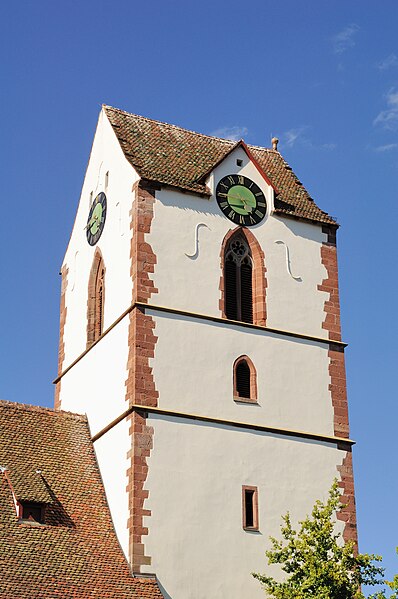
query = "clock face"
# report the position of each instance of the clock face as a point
(241, 200)
(96, 219)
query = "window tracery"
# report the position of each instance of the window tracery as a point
(238, 280)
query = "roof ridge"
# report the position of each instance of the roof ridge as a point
(223, 139)
(179, 157)
(145, 118)
(32, 408)
(271, 150)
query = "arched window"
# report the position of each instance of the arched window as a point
(243, 283)
(96, 298)
(238, 280)
(245, 380)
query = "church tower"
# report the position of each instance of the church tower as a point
(200, 332)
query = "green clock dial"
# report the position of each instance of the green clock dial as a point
(241, 200)
(96, 219)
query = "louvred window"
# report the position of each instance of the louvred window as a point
(96, 300)
(99, 303)
(243, 379)
(238, 280)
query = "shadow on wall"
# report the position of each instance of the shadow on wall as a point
(163, 591)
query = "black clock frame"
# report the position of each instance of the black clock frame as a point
(247, 220)
(93, 238)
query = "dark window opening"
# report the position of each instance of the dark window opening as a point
(250, 508)
(239, 162)
(249, 512)
(31, 511)
(238, 271)
(243, 379)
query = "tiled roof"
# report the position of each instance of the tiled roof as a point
(75, 554)
(170, 155)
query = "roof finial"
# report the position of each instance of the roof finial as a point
(275, 142)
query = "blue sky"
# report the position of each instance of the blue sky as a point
(320, 75)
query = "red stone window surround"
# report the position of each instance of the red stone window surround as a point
(244, 380)
(258, 280)
(96, 299)
(250, 508)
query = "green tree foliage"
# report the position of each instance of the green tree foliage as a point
(393, 584)
(316, 560)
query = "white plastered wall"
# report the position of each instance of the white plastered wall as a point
(96, 385)
(193, 283)
(196, 473)
(114, 243)
(194, 374)
(111, 450)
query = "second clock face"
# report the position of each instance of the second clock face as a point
(96, 219)
(241, 200)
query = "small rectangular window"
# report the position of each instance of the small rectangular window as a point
(106, 180)
(250, 508)
(34, 512)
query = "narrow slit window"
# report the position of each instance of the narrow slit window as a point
(250, 508)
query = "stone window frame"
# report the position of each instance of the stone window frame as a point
(96, 299)
(253, 381)
(246, 489)
(259, 282)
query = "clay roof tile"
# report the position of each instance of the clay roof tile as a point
(75, 552)
(174, 156)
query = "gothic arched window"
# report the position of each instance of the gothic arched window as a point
(245, 380)
(243, 282)
(96, 298)
(238, 269)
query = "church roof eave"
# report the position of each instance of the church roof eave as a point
(182, 159)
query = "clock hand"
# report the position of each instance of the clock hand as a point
(245, 204)
(226, 195)
(92, 222)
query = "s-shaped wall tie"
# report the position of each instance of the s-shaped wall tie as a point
(196, 252)
(289, 270)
